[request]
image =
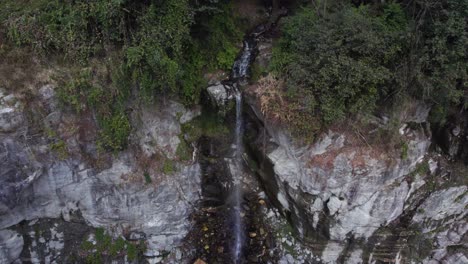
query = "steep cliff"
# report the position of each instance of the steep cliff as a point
(51, 168)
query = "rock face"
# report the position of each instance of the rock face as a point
(11, 244)
(221, 95)
(37, 181)
(343, 192)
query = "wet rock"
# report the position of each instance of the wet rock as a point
(11, 245)
(221, 95)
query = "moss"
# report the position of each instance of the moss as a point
(132, 251)
(117, 247)
(183, 150)
(87, 245)
(99, 234)
(94, 258)
(421, 169)
(60, 147)
(168, 167)
(147, 178)
(209, 125)
(404, 150)
(106, 247)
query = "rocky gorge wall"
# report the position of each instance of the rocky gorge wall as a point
(349, 199)
(344, 196)
(51, 168)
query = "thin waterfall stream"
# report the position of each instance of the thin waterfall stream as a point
(238, 77)
(229, 226)
(237, 188)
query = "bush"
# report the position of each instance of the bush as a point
(166, 45)
(115, 131)
(80, 93)
(337, 65)
(349, 59)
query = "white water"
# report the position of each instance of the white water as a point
(239, 72)
(241, 65)
(238, 226)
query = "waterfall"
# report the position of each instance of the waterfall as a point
(237, 195)
(241, 65)
(239, 73)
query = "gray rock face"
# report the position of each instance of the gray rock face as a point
(221, 95)
(11, 116)
(341, 187)
(159, 128)
(11, 244)
(361, 188)
(34, 183)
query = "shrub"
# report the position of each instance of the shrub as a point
(115, 131)
(165, 45)
(334, 66)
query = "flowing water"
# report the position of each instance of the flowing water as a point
(237, 188)
(227, 214)
(241, 65)
(239, 75)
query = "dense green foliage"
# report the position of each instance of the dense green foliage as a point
(439, 55)
(150, 49)
(334, 65)
(351, 58)
(81, 94)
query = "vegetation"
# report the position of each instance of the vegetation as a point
(80, 94)
(183, 150)
(421, 169)
(147, 178)
(208, 124)
(107, 248)
(340, 60)
(148, 49)
(404, 150)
